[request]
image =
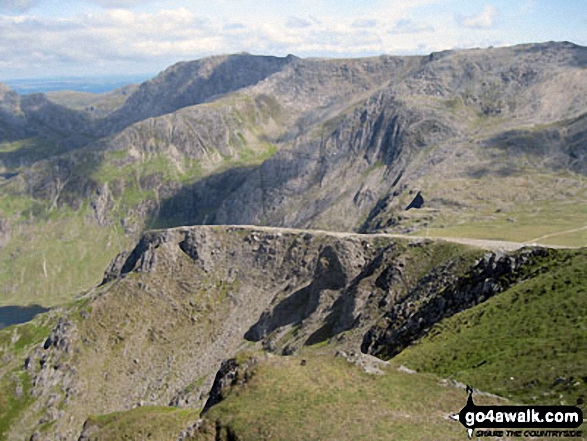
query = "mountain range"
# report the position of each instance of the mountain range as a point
(237, 226)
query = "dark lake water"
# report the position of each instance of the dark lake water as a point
(13, 315)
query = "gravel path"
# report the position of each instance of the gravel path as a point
(491, 245)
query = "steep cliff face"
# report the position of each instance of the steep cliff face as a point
(186, 299)
(333, 144)
(190, 83)
(333, 182)
(157, 333)
(35, 116)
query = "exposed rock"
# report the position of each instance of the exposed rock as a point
(231, 374)
(437, 297)
(101, 204)
(88, 430)
(114, 268)
(345, 137)
(186, 297)
(188, 83)
(190, 432)
(370, 364)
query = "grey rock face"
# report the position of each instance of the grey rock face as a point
(190, 83)
(186, 299)
(5, 231)
(114, 269)
(230, 374)
(351, 135)
(315, 183)
(437, 297)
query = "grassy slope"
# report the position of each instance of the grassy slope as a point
(330, 399)
(523, 206)
(539, 339)
(520, 342)
(327, 399)
(49, 262)
(55, 253)
(153, 423)
(490, 191)
(15, 383)
(527, 223)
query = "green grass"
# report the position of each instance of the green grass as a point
(520, 342)
(525, 227)
(569, 239)
(55, 254)
(47, 263)
(13, 403)
(330, 399)
(17, 155)
(149, 422)
(519, 209)
(248, 156)
(27, 334)
(16, 342)
(132, 170)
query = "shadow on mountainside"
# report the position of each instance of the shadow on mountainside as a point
(328, 275)
(196, 204)
(562, 146)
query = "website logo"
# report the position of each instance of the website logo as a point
(523, 418)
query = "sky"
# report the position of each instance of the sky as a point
(80, 38)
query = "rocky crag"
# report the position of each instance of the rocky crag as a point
(331, 144)
(185, 300)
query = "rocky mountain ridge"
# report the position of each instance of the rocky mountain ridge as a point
(494, 140)
(312, 143)
(186, 299)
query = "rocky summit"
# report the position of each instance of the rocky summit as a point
(254, 247)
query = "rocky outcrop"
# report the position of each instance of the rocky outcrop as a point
(183, 302)
(5, 231)
(175, 303)
(231, 374)
(114, 268)
(189, 83)
(314, 184)
(352, 136)
(54, 376)
(441, 294)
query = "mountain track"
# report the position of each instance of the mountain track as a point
(490, 245)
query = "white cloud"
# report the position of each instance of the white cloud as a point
(126, 40)
(297, 22)
(406, 26)
(485, 19)
(17, 5)
(364, 23)
(120, 4)
(96, 40)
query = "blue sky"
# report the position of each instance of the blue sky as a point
(48, 38)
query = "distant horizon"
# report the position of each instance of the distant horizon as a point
(90, 84)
